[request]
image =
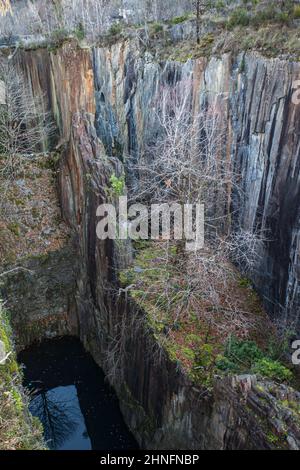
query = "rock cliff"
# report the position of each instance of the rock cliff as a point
(116, 86)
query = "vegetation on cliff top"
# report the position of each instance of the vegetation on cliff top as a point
(18, 429)
(267, 27)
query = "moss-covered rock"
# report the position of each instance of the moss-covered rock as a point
(18, 429)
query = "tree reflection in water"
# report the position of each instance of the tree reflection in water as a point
(58, 414)
(78, 409)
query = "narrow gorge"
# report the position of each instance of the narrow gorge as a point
(102, 99)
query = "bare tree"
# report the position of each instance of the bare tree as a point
(58, 417)
(200, 6)
(186, 165)
(244, 248)
(24, 124)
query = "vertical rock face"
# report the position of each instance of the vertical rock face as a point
(64, 77)
(120, 86)
(41, 297)
(266, 148)
(254, 98)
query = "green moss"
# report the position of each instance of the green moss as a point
(292, 406)
(272, 438)
(193, 339)
(296, 13)
(261, 388)
(204, 355)
(18, 399)
(117, 185)
(179, 19)
(5, 331)
(18, 202)
(245, 282)
(14, 228)
(188, 353)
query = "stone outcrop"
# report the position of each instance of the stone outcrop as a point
(41, 296)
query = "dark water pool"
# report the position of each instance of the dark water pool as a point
(78, 409)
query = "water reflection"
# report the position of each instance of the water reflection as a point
(78, 410)
(59, 411)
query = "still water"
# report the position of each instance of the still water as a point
(78, 409)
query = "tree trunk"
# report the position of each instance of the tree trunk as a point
(198, 21)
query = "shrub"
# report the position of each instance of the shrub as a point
(157, 27)
(244, 281)
(115, 29)
(117, 185)
(59, 35)
(220, 5)
(14, 228)
(245, 356)
(224, 364)
(245, 353)
(296, 12)
(20, 430)
(204, 355)
(283, 17)
(271, 14)
(267, 14)
(273, 370)
(179, 19)
(80, 32)
(239, 17)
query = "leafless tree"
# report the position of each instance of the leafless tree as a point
(244, 248)
(24, 124)
(58, 417)
(200, 7)
(186, 165)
